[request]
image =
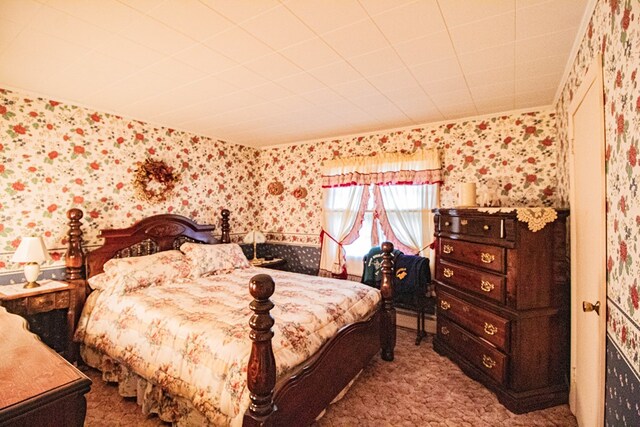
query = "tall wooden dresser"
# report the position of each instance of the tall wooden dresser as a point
(503, 297)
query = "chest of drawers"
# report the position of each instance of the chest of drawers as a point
(503, 304)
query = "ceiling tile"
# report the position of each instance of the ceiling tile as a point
(551, 44)
(538, 66)
(240, 11)
(396, 79)
(327, 15)
(451, 97)
(143, 6)
(461, 12)
(108, 14)
(191, 18)
(354, 88)
(270, 91)
(241, 77)
(356, 39)
(129, 51)
(483, 34)
(300, 83)
(435, 71)
(19, 12)
(448, 85)
(493, 90)
(127, 91)
(548, 17)
(8, 32)
(279, 17)
(505, 103)
(67, 27)
(409, 21)
(238, 45)
(155, 35)
(273, 66)
(175, 70)
(204, 59)
(378, 62)
(426, 49)
(458, 111)
(336, 73)
(486, 59)
(540, 82)
(482, 78)
(311, 54)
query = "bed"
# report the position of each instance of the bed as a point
(292, 393)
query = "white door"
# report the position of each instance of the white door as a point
(588, 249)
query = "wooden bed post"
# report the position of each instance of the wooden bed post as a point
(74, 264)
(74, 257)
(261, 370)
(388, 321)
(225, 238)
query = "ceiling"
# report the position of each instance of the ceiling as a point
(266, 72)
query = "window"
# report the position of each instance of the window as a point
(371, 199)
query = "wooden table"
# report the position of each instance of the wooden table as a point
(37, 386)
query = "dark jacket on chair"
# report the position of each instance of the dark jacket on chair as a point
(412, 276)
(372, 271)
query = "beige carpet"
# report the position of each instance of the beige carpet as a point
(420, 388)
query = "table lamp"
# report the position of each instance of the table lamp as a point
(32, 252)
(256, 237)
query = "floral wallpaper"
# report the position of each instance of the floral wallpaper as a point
(55, 156)
(614, 33)
(518, 153)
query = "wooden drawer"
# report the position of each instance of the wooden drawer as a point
(472, 226)
(485, 284)
(486, 325)
(485, 256)
(482, 355)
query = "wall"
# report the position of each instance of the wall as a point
(614, 32)
(519, 151)
(55, 156)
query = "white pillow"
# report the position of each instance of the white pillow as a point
(214, 259)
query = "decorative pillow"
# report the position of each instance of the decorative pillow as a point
(128, 274)
(214, 259)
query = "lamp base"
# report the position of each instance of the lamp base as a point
(257, 261)
(31, 285)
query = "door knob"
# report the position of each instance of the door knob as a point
(587, 306)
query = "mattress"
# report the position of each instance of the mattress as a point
(191, 336)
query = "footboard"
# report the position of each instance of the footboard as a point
(301, 396)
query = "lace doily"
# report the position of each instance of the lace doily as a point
(535, 218)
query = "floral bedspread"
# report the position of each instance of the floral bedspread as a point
(192, 336)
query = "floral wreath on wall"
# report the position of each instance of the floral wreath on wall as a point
(154, 181)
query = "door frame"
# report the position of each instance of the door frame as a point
(594, 76)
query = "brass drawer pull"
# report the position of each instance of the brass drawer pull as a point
(444, 330)
(464, 222)
(489, 329)
(447, 272)
(485, 227)
(487, 258)
(447, 249)
(447, 223)
(444, 305)
(488, 362)
(466, 308)
(486, 286)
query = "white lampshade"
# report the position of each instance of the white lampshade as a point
(255, 236)
(31, 249)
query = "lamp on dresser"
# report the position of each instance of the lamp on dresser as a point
(255, 237)
(32, 252)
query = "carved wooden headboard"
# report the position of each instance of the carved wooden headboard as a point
(153, 234)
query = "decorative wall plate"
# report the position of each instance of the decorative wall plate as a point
(300, 193)
(275, 188)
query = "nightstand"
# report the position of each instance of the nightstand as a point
(276, 263)
(49, 309)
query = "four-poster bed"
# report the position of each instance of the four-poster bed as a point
(296, 397)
